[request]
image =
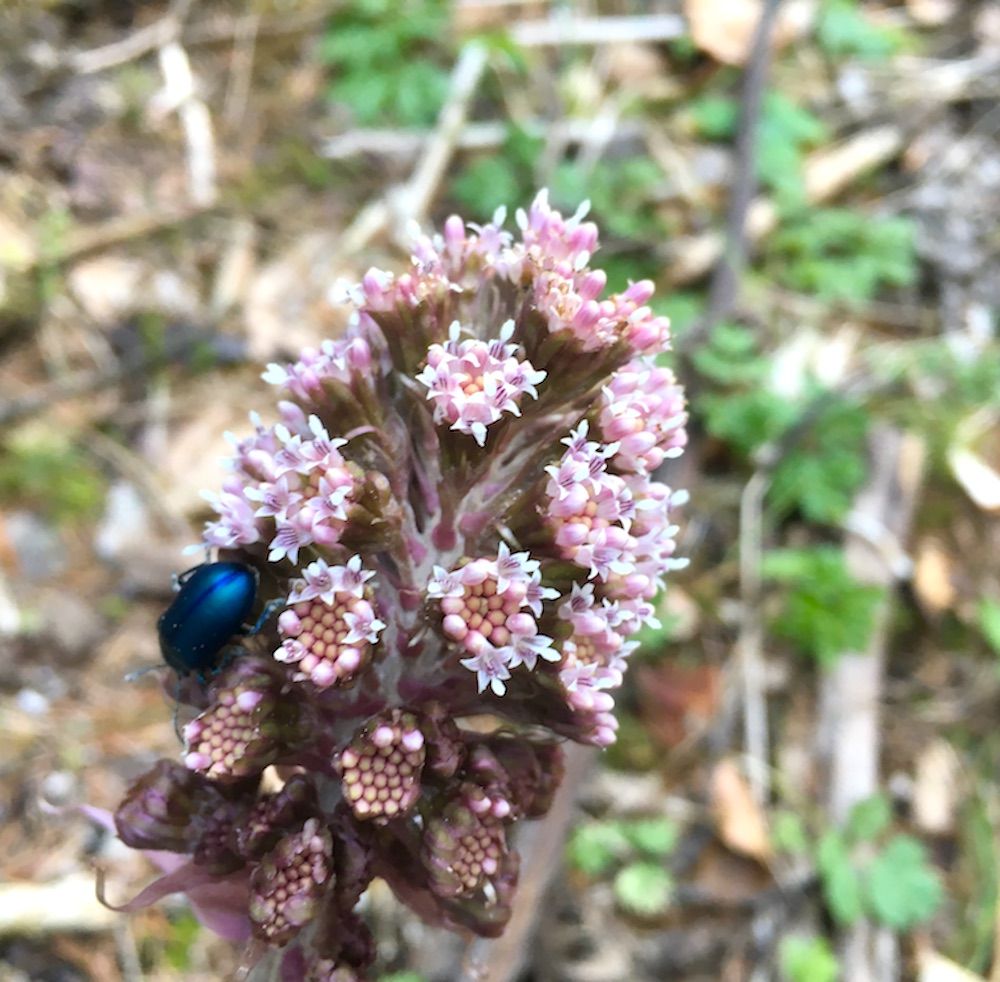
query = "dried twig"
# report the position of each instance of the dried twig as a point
(408, 203)
(209, 31)
(558, 31)
(852, 690)
(179, 95)
(241, 75)
(67, 904)
(749, 644)
(725, 283)
(722, 295)
(134, 46)
(115, 232)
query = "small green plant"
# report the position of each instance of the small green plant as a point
(823, 466)
(488, 182)
(388, 60)
(825, 611)
(808, 960)
(43, 468)
(941, 386)
(863, 872)
(635, 849)
(683, 307)
(714, 116)
(785, 132)
(644, 888)
(789, 834)
(868, 819)
(184, 933)
(621, 194)
(843, 30)
(839, 254)
(741, 409)
(989, 623)
(595, 847)
(901, 888)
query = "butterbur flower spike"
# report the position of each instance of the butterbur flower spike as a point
(454, 507)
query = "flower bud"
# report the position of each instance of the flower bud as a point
(288, 884)
(245, 728)
(381, 767)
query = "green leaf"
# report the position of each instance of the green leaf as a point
(620, 194)
(730, 356)
(808, 960)
(499, 179)
(715, 116)
(843, 30)
(785, 131)
(821, 473)
(485, 184)
(420, 90)
(868, 819)
(388, 59)
(368, 95)
(645, 889)
(989, 623)
(901, 888)
(795, 124)
(747, 420)
(788, 833)
(594, 847)
(180, 940)
(652, 836)
(401, 977)
(840, 254)
(826, 612)
(839, 880)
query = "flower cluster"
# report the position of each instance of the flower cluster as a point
(472, 383)
(458, 509)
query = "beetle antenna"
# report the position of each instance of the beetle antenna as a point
(139, 672)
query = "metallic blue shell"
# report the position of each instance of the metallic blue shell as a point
(213, 603)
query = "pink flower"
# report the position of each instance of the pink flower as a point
(473, 383)
(425, 578)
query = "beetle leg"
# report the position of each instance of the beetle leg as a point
(226, 658)
(269, 608)
(139, 672)
(177, 709)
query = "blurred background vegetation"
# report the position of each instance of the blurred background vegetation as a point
(806, 784)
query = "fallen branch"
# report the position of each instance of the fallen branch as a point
(117, 231)
(728, 273)
(558, 31)
(851, 692)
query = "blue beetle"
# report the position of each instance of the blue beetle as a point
(212, 605)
